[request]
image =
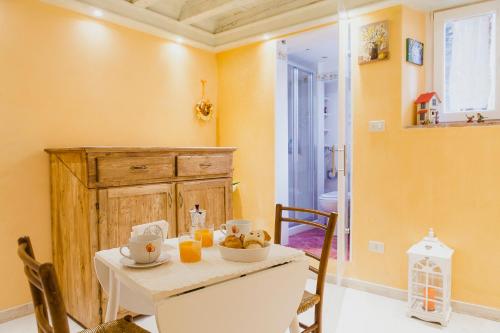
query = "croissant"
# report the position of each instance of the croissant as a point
(233, 242)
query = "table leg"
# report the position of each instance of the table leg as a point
(294, 325)
(113, 297)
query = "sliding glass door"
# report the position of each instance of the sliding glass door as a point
(301, 143)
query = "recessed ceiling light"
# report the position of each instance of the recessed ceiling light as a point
(97, 13)
(266, 37)
(179, 39)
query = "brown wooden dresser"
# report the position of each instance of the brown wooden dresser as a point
(99, 193)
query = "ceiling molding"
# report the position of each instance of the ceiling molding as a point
(295, 17)
(121, 20)
(144, 15)
(137, 17)
(279, 33)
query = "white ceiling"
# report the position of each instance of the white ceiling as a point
(222, 24)
(313, 47)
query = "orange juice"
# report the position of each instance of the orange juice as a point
(190, 251)
(206, 236)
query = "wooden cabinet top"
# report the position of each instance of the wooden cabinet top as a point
(99, 167)
(110, 149)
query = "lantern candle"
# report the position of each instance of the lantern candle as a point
(430, 297)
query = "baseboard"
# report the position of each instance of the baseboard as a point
(16, 312)
(476, 310)
(402, 295)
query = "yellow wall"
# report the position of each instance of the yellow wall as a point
(245, 119)
(407, 180)
(69, 80)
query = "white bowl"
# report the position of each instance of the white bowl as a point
(244, 255)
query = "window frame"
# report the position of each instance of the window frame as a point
(440, 19)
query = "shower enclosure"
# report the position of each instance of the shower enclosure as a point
(301, 140)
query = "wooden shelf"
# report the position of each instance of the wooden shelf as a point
(457, 124)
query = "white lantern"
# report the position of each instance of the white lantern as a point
(429, 280)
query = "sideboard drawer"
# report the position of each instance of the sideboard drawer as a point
(202, 165)
(134, 170)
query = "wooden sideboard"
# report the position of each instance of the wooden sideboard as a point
(99, 193)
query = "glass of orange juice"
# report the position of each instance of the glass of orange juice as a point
(205, 234)
(189, 248)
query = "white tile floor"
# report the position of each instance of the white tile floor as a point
(346, 311)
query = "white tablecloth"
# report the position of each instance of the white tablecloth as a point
(175, 277)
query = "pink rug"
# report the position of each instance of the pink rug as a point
(312, 241)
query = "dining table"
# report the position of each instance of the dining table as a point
(212, 295)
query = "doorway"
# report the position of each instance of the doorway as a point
(314, 127)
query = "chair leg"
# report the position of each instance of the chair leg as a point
(294, 325)
(318, 316)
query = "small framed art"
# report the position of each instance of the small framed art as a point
(414, 51)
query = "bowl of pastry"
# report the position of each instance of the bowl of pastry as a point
(251, 247)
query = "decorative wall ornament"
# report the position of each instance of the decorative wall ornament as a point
(374, 42)
(328, 76)
(204, 108)
(414, 51)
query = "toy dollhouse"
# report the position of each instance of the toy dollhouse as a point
(428, 107)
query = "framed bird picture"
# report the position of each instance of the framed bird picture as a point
(414, 51)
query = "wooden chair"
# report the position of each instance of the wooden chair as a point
(310, 300)
(48, 301)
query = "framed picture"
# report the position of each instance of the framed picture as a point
(374, 43)
(414, 51)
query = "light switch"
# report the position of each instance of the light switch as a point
(375, 246)
(376, 125)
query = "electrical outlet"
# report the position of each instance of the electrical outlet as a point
(376, 125)
(377, 247)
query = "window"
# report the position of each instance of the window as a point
(422, 105)
(465, 72)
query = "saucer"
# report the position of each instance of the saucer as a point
(163, 258)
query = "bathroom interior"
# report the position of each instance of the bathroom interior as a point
(313, 133)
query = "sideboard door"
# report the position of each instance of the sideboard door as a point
(121, 208)
(212, 195)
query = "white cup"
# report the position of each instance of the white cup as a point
(236, 227)
(143, 249)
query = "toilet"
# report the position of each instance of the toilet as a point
(328, 201)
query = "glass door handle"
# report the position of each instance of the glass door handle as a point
(334, 170)
(344, 150)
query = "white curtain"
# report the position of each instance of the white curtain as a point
(470, 64)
